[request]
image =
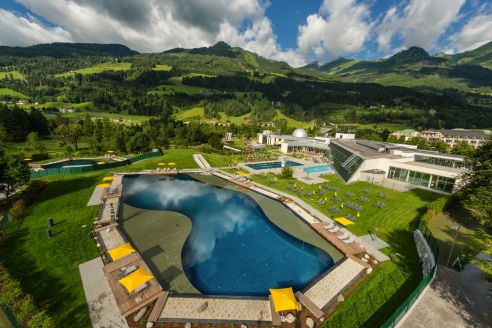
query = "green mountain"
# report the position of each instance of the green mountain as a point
(481, 56)
(67, 50)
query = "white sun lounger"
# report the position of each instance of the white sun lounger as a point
(345, 235)
(350, 240)
(334, 229)
(329, 226)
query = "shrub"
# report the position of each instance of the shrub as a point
(287, 172)
(17, 209)
(41, 320)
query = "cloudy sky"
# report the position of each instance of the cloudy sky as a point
(296, 31)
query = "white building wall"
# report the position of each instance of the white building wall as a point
(346, 136)
(284, 147)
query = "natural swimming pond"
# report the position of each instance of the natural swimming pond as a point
(271, 165)
(233, 248)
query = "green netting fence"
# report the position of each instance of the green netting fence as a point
(9, 316)
(93, 167)
(403, 309)
(5, 220)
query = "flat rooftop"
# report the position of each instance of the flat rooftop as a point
(363, 151)
(436, 167)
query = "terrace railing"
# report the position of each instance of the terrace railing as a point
(406, 306)
(10, 316)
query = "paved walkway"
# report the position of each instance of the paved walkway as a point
(375, 242)
(102, 305)
(454, 299)
(237, 310)
(96, 197)
(326, 289)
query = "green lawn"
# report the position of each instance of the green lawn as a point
(48, 268)
(162, 68)
(383, 125)
(15, 75)
(7, 91)
(100, 68)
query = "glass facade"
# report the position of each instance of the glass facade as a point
(344, 162)
(439, 161)
(422, 179)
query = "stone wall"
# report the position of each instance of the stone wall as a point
(425, 252)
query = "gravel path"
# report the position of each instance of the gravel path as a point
(455, 299)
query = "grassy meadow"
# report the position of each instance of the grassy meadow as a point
(98, 68)
(15, 75)
(12, 93)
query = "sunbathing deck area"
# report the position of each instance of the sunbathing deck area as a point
(326, 289)
(110, 208)
(218, 309)
(126, 303)
(352, 248)
(110, 237)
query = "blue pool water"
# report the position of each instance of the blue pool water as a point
(233, 248)
(271, 165)
(73, 162)
(320, 168)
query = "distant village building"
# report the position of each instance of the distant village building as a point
(71, 72)
(118, 119)
(452, 137)
(67, 110)
(276, 103)
(325, 132)
(373, 107)
(23, 102)
(382, 106)
(407, 133)
(432, 112)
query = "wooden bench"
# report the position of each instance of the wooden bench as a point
(275, 315)
(316, 311)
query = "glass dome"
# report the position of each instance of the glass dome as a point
(300, 133)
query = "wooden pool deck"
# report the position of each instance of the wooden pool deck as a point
(128, 304)
(352, 248)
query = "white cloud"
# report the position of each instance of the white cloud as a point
(419, 23)
(475, 33)
(341, 27)
(18, 30)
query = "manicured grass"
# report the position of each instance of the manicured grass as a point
(48, 268)
(7, 91)
(441, 227)
(15, 75)
(162, 68)
(100, 68)
(393, 281)
(382, 126)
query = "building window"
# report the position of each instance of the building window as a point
(422, 179)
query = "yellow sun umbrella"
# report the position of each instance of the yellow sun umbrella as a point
(135, 279)
(326, 198)
(171, 163)
(319, 187)
(302, 187)
(314, 192)
(103, 185)
(295, 184)
(284, 299)
(341, 205)
(108, 178)
(110, 151)
(343, 221)
(121, 251)
(358, 214)
(27, 159)
(161, 164)
(101, 163)
(335, 193)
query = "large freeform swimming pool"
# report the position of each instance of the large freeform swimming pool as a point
(233, 248)
(271, 165)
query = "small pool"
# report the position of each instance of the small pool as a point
(271, 165)
(320, 168)
(233, 248)
(70, 163)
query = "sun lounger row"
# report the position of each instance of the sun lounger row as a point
(261, 176)
(336, 199)
(351, 217)
(327, 186)
(366, 191)
(272, 181)
(380, 204)
(320, 202)
(381, 195)
(290, 188)
(349, 194)
(334, 209)
(354, 206)
(320, 192)
(363, 199)
(308, 194)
